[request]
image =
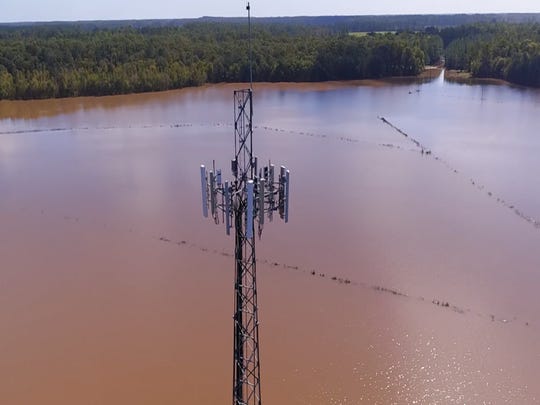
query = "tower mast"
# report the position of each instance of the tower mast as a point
(251, 196)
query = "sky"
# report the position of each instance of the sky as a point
(69, 10)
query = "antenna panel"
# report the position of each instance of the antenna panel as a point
(253, 192)
(249, 214)
(227, 209)
(261, 202)
(213, 197)
(204, 190)
(287, 179)
(234, 167)
(212, 203)
(281, 193)
(271, 184)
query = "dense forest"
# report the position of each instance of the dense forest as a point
(504, 51)
(69, 59)
(63, 61)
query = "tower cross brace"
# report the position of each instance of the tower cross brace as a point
(253, 195)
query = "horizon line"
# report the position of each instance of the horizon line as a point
(266, 17)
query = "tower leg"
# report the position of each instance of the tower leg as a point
(238, 394)
(247, 377)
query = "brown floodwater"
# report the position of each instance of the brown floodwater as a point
(402, 277)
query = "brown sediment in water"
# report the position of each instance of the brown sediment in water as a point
(33, 109)
(115, 290)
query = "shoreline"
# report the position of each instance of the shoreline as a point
(429, 73)
(39, 107)
(465, 77)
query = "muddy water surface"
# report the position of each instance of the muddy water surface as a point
(402, 277)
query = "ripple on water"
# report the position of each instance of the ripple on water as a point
(420, 371)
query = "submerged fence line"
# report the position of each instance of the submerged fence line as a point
(475, 183)
(443, 304)
(273, 264)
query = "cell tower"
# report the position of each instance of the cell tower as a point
(253, 194)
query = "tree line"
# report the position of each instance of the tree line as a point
(66, 60)
(504, 51)
(349, 23)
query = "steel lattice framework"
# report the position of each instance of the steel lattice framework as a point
(246, 373)
(253, 195)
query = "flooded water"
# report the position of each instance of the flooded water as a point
(408, 273)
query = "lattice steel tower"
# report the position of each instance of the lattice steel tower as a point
(245, 202)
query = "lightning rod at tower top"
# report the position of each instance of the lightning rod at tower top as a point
(244, 203)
